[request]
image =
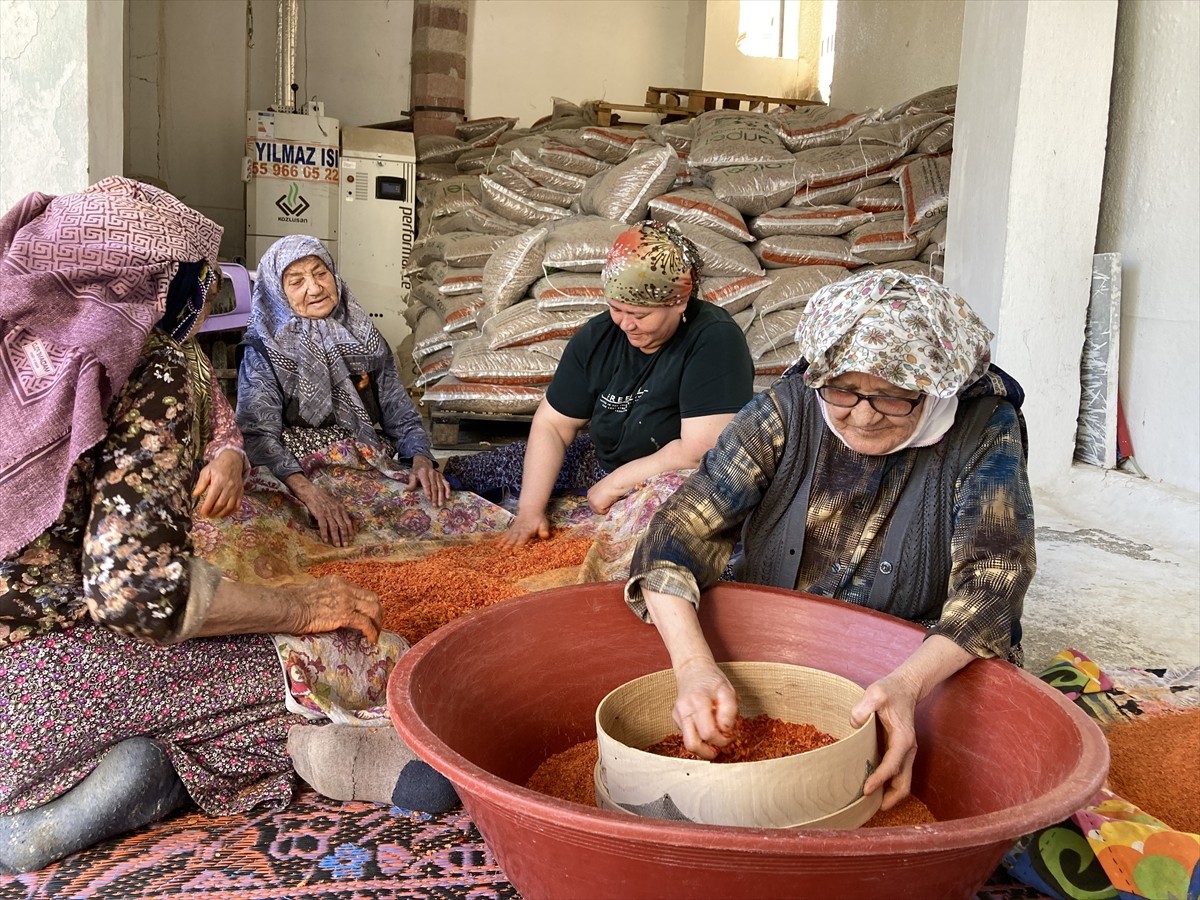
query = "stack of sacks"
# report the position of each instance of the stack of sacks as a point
(509, 252)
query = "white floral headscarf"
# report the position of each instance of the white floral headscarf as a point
(906, 329)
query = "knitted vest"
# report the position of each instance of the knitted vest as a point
(914, 566)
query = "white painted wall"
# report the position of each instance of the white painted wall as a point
(359, 58)
(889, 50)
(1150, 214)
(44, 95)
(983, 158)
(726, 68)
(523, 53)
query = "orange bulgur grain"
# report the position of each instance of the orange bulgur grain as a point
(1154, 766)
(909, 811)
(754, 740)
(569, 775)
(420, 596)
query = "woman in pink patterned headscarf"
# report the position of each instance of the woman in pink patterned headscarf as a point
(135, 676)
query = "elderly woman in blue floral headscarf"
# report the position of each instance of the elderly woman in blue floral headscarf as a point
(887, 469)
(316, 370)
(654, 380)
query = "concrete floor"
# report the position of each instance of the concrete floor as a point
(1118, 572)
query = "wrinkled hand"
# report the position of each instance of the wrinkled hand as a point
(525, 527)
(894, 701)
(705, 708)
(333, 603)
(603, 494)
(220, 483)
(429, 480)
(333, 521)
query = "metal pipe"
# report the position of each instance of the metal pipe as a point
(285, 56)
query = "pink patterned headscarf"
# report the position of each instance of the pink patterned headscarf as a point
(651, 264)
(83, 279)
(906, 329)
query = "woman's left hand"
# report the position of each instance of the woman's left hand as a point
(220, 483)
(894, 700)
(894, 703)
(429, 480)
(603, 494)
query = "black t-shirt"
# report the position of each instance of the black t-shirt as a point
(634, 401)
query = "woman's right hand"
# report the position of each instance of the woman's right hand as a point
(526, 527)
(706, 707)
(332, 603)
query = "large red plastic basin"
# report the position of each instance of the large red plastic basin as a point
(487, 698)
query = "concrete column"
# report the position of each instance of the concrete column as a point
(106, 88)
(1029, 149)
(439, 66)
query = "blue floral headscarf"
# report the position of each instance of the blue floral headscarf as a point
(317, 361)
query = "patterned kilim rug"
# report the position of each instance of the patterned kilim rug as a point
(314, 850)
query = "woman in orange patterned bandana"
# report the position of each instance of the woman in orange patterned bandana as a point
(654, 380)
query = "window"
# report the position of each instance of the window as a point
(769, 28)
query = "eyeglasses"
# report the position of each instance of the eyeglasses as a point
(897, 407)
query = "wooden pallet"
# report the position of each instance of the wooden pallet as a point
(675, 104)
(453, 430)
(697, 101)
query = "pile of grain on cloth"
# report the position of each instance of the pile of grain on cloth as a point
(514, 226)
(272, 539)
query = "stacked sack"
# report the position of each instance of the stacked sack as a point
(511, 242)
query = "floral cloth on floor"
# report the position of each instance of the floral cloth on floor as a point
(339, 676)
(271, 539)
(617, 535)
(1111, 848)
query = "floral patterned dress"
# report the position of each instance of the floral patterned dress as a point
(96, 616)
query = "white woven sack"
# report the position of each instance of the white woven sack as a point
(624, 192)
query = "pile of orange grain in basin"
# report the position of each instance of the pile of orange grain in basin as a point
(569, 775)
(420, 596)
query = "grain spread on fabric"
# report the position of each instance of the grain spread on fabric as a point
(1154, 766)
(754, 740)
(422, 595)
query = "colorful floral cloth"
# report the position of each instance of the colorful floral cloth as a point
(618, 534)
(340, 676)
(906, 329)
(1111, 849)
(271, 540)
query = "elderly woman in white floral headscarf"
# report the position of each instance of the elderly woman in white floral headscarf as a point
(887, 468)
